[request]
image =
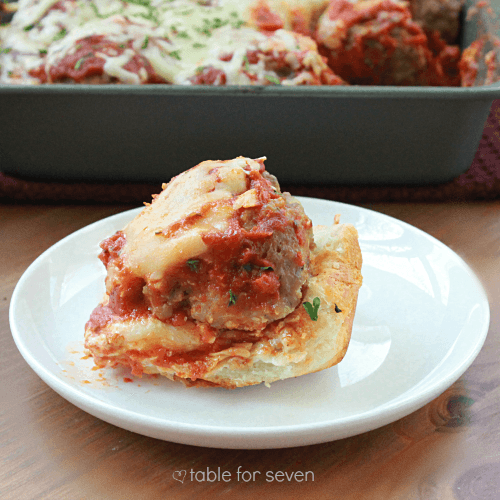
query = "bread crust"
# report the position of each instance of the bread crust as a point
(290, 347)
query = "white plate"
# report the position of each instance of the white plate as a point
(422, 318)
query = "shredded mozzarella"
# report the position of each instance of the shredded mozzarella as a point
(178, 38)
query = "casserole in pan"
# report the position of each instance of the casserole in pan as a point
(310, 134)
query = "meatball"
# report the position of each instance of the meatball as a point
(442, 16)
(221, 245)
(374, 42)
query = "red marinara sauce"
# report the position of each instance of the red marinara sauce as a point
(126, 298)
(111, 248)
(367, 58)
(86, 62)
(265, 18)
(209, 76)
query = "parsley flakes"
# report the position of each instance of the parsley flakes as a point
(193, 264)
(80, 61)
(312, 309)
(60, 35)
(246, 63)
(272, 79)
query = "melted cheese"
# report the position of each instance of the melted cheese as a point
(150, 250)
(176, 36)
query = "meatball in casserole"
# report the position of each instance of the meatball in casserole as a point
(373, 42)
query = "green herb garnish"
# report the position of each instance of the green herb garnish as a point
(238, 24)
(152, 14)
(232, 298)
(144, 3)
(266, 268)
(204, 31)
(218, 23)
(29, 28)
(235, 22)
(175, 55)
(145, 43)
(60, 35)
(194, 265)
(103, 16)
(198, 45)
(42, 52)
(312, 309)
(80, 61)
(272, 79)
(246, 62)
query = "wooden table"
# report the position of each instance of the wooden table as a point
(450, 449)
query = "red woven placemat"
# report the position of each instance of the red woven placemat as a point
(480, 182)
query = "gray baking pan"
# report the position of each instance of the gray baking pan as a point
(331, 135)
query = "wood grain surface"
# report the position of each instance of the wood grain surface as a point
(449, 449)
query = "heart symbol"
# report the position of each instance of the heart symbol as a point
(179, 475)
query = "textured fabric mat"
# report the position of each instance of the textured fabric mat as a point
(480, 182)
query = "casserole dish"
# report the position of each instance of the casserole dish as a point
(334, 135)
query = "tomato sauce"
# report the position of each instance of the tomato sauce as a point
(139, 62)
(265, 18)
(39, 73)
(345, 11)
(469, 64)
(253, 56)
(299, 23)
(61, 5)
(111, 248)
(209, 76)
(85, 62)
(196, 362)
(100, 317)
(444, 62)
(127, 297)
